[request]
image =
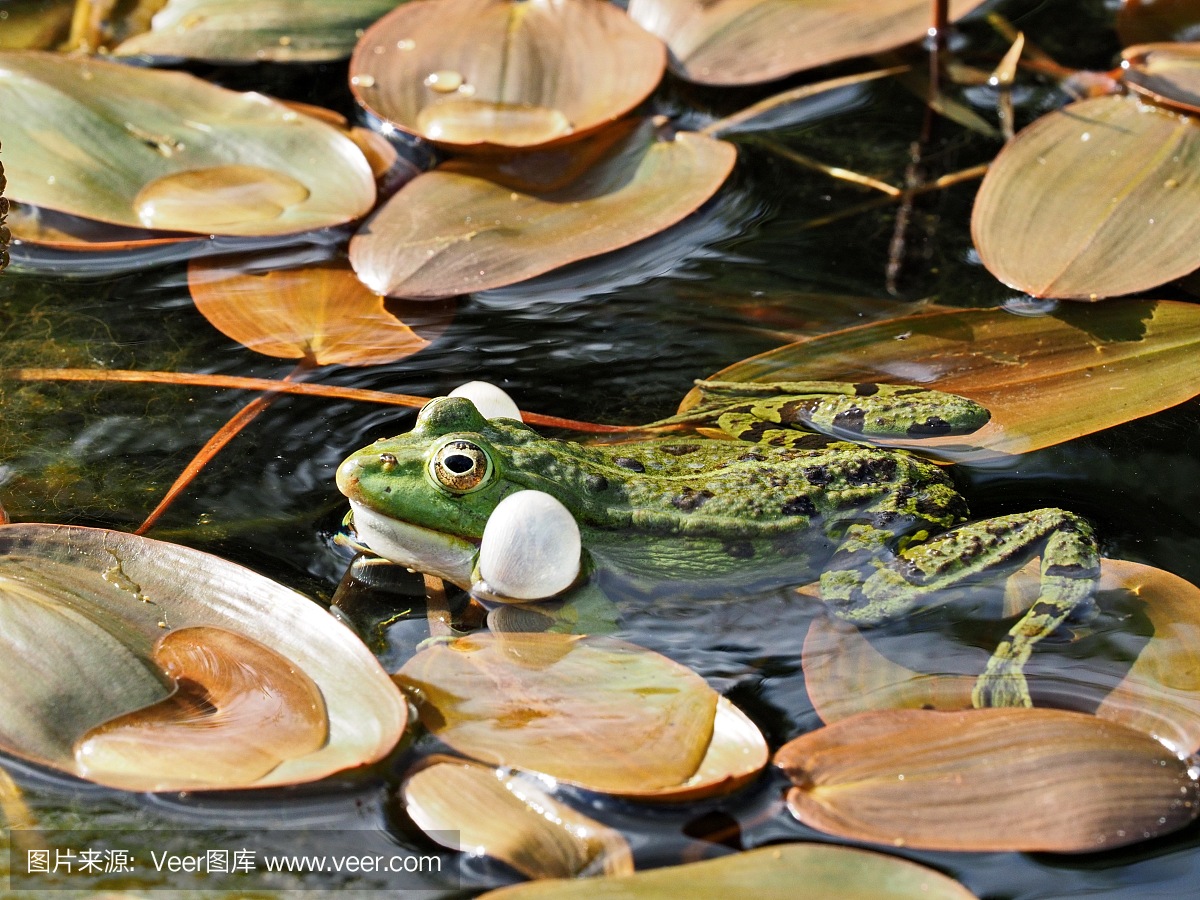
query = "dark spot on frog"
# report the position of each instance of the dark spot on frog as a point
(866, 389)
(596, 483)
(387, 489)
(751, 457)
(931, 426)
(631, 464)
(799, 506)
(850, 419)
(680, 449)
(739, 549)
(691, 499)
(817, 475)
(872, 471)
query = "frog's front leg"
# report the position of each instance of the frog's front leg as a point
(867, 583)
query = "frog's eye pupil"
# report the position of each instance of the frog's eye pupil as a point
(460, 466)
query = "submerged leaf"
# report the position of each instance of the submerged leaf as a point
(210, 730)
(778, 872)
(1168, 73)
(320, 312)
(988, 780)
(509, 817)
(165, 150)
(747, 41)
(504, 73)
(1098, 199)
(463, 227)
(81, 610)
(275, 30)
(1039, 377)
(591, 711)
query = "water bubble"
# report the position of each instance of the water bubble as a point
(444, 82)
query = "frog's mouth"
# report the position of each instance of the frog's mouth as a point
(423, 549)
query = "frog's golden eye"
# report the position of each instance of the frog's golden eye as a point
(460, 466)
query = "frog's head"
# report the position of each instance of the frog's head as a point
(422, 499)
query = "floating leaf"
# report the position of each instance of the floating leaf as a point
(1098, 199)
(747, 41)
(460, 228)
(210, 730)
(1039, 377)
(237, 31)
(780, 872)
(591, 711)
(1158, 694)
(1168, 73)
(167, 151)
(504, 73)
(509, 817)
(35, 26)
(320, 312)
(82, 610)
(988, 780)
(60, 231)
(1146, 21)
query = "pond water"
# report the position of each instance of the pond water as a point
(617, 339)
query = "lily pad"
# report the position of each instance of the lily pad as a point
(480, 74)
(1168, 73)
(592, 711)
(1039, 377)
(83, 612)
(779, 872)
(988, 780)
(274, 30)
(1098, 199)
(464, 227)
(748, 41)
(510, 817)
(320, 312)
(167, 151)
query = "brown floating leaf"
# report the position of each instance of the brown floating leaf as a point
(1168, 73)
(463, 228)
(210, 731)
(1039, 377)
(35, 26)
(1159, 694)
(988, 780)
(479, 74)
(591, 711)
(778, 872)
(747, 41)
(60, 231)
(1098, 199)
(1146, 21)
(320, 312)
(509, 817)
(81, 610)
(275, 30)
(165, 150)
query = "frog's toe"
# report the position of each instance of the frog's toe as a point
(530, 550)
(1001, 690)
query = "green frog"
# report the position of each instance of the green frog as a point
(785, 494)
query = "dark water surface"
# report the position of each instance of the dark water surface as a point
(617, 339)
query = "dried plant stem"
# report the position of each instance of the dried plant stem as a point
(437, 609)
(937, 184)
(832, 171)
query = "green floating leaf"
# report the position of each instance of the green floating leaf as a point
(137, 654)
(1039, 377)
(1168, 73)
(779, 872)
(1098, 199)
(988, 780)
(591, 711)
(238, 31)
(167, 151)
(748, 41)
(469, 226)
(509, 817)
(502, 74)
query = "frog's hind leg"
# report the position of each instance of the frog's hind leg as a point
(869, 592)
